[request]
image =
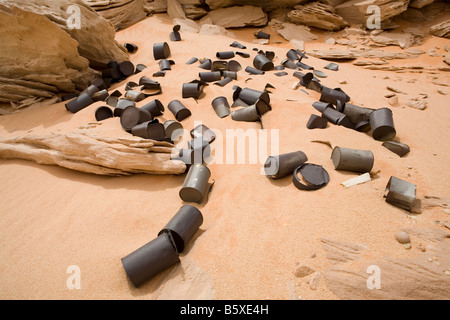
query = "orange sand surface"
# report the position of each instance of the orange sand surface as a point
(256, 231)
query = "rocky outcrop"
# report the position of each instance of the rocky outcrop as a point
(291, 31)
(403, 40)
(38, 59)
(193, 9)
(420, 3)
(355, 11)
(239, 16)
(96, 36)
(441, 29)
(85, 152)
(423, 277)
(267, 5)
(317, 15)
(121, 13)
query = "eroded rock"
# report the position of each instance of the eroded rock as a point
(239, 16)
(318, 15)
(355, 11)
(45, 61)
(441, 29)
(121, 13)
(89, 153)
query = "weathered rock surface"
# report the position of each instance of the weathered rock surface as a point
(319, 15)
(175, 10)
(403, 40)
(37, 62)
(355, 11)
(121, 13)
(211, 29)
(267, 5)
(193, 9)
(447, 59)
(239, 16)
(333, 54)
(416, 278)
(85, 152)
(291, 31)
(441, 29)
(96, 37)
(420, 3)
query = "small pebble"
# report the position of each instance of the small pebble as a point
(403, 237)
(303, 271)
(429, 259)
(407, 246)
(393, 101)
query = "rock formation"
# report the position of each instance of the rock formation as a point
(96, 36)
(420, 3)
(193, 9)
(122, 13)
(85, 152)
(416, 278)
(355, 11)
(317, 15)
(267, 5)
(441, 29)
(50, 57)
(44, 62)
(239, 16)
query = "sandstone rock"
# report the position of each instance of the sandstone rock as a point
(393, 101)
(122, 13)
(412, 15)
(267, 5)
(85, 152)
(447, 59)
(211, 29)
(441, 29)
(239, 16)
(317, 15)
(303, 271)
(355, 11)
(417, 104)
(333, 54)
(175, 10)
(44, 62)
(330, 41)
(400, 279)
(403, 40)
(193, 9)
(155, 6)
(291, 31)
(420, 3)
(96, 37)
(279, 14)
(298, 44)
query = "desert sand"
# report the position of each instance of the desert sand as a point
(256, 231)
